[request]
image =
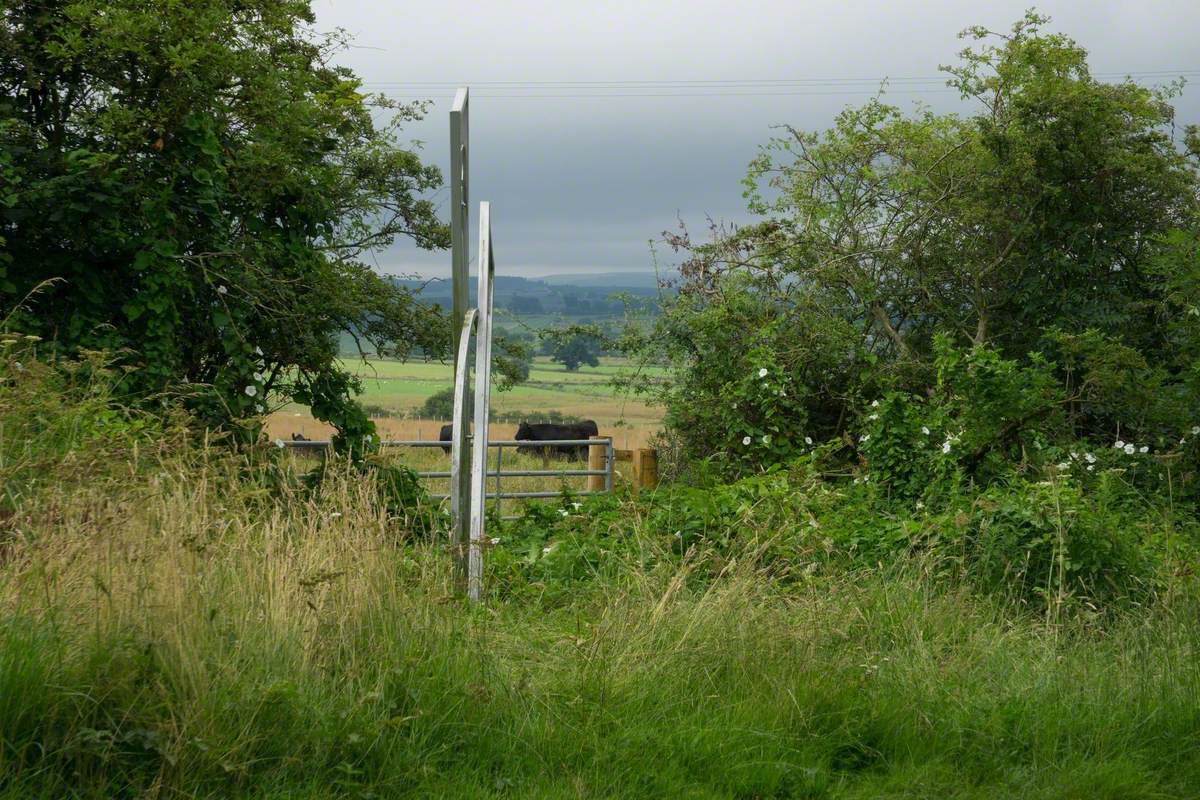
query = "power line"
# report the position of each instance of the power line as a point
(739, 82)
(840, 93)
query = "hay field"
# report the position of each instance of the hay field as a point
(395, 391)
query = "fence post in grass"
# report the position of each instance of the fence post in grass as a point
(462, 317)
(596, 452)
(645, 469)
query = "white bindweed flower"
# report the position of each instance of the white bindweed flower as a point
(767, 439)
(261, 408)
(251, 391)
(874, 404)
(866, 437)
(762, 372)
(562, 512)
(1088, 457)
(873, 417)
(1091, 467)
(1130, 449)
(495, 540)
(576, 506)
(258, 376)
(946, 446)
(920, 505)
(735, 405)
(1119, 444)
(746, 440)
(925, 430)
(222, 290)
(1196, 430)
(279, 443)
(1143, 449)
(808, 440)
(258, 351)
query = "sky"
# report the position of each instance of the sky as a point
(596, 126)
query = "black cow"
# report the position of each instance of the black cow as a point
(549, 431)
(445, 436)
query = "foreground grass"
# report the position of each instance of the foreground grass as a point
(190, 636)
(178, 622)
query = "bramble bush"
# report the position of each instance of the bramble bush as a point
(1023, 277)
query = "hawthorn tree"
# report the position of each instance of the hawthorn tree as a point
(1047, 221)
(193, 187)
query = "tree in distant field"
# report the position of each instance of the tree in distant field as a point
(201, 181)
(1051, 221)
(575, 350)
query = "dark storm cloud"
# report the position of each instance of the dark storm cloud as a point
(580, 183)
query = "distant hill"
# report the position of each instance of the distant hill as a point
(620, 280)
(573, 296)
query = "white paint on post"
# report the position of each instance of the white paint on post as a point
(483, 385)
(460, 476)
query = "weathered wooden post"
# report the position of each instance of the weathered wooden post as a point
(596, 459)
(645, 469)
(460, 215)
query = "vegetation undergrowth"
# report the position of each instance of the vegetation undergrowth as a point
(184, 620)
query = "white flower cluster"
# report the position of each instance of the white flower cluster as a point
(1087, 459)
(252, 389)
(1130, 448)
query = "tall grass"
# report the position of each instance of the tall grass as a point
(184, 628)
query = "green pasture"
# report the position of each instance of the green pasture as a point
(404, 386)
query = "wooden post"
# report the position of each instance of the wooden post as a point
(645, 469)
(595, 483)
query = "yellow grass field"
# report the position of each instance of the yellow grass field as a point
(396, 392)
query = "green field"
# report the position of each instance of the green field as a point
(402, 387)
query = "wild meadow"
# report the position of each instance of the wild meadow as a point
(181, 620)
(928, 429)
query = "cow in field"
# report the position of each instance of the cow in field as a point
(445, 436)
(549, 431)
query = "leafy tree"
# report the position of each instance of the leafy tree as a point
(576, 349)
(202, 181)
(439, 405)
(1052, 213)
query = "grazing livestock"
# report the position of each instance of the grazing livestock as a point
(549, 431)
(445, 436)
(300, 437)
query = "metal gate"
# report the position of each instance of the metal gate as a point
(498, 494)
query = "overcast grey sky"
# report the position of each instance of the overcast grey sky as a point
(582, 177)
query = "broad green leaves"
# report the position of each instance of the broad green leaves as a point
(204, 181)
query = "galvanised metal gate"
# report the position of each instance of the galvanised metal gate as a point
(605, 471)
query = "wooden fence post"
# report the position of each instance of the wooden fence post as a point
(595, 483)
(645, 469)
